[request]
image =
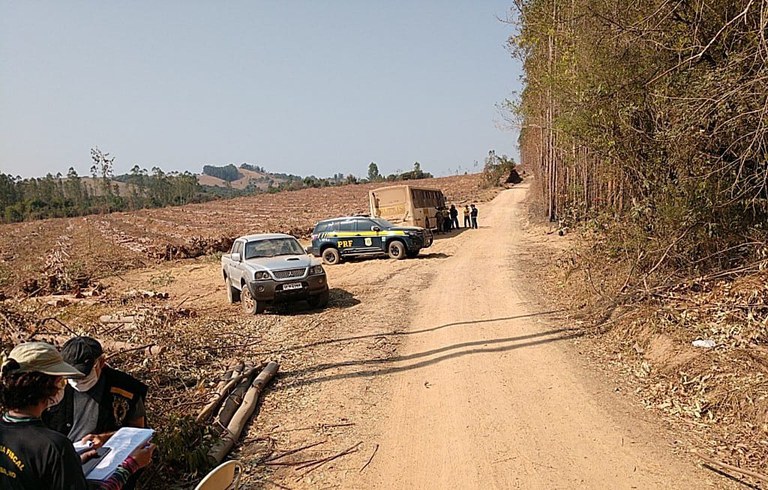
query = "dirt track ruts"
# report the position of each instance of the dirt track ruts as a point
(490, 395)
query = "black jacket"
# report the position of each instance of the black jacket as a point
(35, 457)
(121, 393)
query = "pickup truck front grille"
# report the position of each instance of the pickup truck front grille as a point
(290, 273)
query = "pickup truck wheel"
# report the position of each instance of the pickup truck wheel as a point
(320, 301)
(396, 250)
(233, 295)
(251, 306)
(331, 256)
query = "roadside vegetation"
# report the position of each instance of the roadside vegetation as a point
(644, 125)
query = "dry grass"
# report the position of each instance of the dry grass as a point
(716, 399)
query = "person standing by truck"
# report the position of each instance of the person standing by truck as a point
(473, 214)
(467, 222)
(454, 217)
(439, 220)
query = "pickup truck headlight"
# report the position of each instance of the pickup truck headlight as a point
(316, 270)
(260, 276)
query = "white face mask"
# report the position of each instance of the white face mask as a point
(56, 399)
(85, 384)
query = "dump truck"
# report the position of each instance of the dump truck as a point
(406, 205)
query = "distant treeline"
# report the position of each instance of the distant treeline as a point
(59, 196)
(228, 173)
(54, 196)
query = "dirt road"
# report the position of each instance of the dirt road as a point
(444, 371)
(490, 395)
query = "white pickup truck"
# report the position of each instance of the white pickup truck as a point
(262, 270)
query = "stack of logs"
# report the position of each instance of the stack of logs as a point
(234, 401)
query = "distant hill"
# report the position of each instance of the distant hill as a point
(247, 177)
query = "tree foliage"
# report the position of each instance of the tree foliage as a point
(227, 173)
(373, 172)
(498, 169)
(56, 196)
(653, 112)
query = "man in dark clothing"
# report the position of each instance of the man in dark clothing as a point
(439, 220)
(37, 457)
(94, 407)
(473, 214)
(446, 220)
(454, 217)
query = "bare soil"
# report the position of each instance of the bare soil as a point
(99, 245)
(451, 370)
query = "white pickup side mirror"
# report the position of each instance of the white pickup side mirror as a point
(236, 257)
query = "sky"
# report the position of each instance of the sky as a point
(302, 87)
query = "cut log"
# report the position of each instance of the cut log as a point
(223, 391)
(227, 374)
(243, 414)
(235, 397)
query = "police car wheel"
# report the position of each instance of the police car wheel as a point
(331, 256)
(396, 250)
(412, 254)
(233, 295)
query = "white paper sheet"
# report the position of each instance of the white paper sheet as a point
(122, 443)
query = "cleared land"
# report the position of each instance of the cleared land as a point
(446, 371)
(96, 246)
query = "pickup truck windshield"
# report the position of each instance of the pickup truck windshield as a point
(272, 248)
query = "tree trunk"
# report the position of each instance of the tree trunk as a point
(240, 419)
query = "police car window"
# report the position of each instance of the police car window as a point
(322, 227)
(347, 226)
(365, 225)
(383, 224)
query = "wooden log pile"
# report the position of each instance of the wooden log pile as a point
(233, 402)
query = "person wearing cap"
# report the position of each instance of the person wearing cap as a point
(33, 457)
(100, 403)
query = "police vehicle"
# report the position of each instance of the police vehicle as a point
(352, 236)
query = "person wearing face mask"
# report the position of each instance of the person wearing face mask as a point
(32, 457)
(95, 406)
